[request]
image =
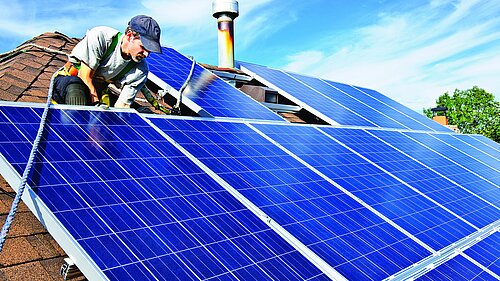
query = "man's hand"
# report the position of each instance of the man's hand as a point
(86, 73)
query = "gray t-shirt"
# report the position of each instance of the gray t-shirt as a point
(91, 51)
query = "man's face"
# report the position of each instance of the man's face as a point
(136, 50)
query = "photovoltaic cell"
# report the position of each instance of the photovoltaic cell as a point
(377, 112)
(412, 211)
(348, 236)
(475, 179)
(487, 141)
(476, 210)
(487, 252)
(468, 156)
(403, 109)
(214, 95)
(137, 206)
(344, 104)
(307, 97)
(458, 268)
(475, 144)
(393, 109)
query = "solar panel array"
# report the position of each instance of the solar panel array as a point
(213, 95)
(486, 253)
(342, 104)
(196, 189)
(138, 208)
(251, 197)
(458, 268)
(343, 232)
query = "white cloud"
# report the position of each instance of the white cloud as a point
(415, 56)
(180, 13)
(189, 23)
(304, 60)
(25, 19)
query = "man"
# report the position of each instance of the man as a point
(106, 56)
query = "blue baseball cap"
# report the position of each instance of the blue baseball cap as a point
(149, 30)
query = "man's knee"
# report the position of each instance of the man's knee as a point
(70, 90)
(76, 94)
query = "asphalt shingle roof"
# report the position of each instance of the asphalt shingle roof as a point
(30, 252)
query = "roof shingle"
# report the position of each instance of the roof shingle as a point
(30, 252)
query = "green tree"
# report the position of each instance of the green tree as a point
(474, 111)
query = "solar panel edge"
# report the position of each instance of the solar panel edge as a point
(354, 87)
(327, 97)
(419, 269)
(359, 88)
(451, 160)
(209, 112)
(432, 169)
(484, 268)
(85, 264)
(350, 194)
(175, 94)
(456, 268)
(460, 137)
(486, 253)
(342, 105)
(241, 92)
(489, 142)
(288, 96)
(289, 238)
(312, 109)
(470, 150)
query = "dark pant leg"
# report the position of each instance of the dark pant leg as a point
(70, 90)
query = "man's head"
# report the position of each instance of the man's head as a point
(143, 34)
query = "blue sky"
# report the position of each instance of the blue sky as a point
(412, 51)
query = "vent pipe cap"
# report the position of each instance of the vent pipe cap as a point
(225, 7)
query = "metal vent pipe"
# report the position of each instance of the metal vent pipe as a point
(225, 11)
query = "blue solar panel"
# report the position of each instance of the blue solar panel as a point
(351, 238)
(313, 101)
(460, 152)
(483, 147)
(215, 96)
(395, 111)
(458, 268)
(471, 173)
(377, 112)
(487, 252)
(411, 210)
(403, 109)
(487, 141)
(342, 103)
(137, 207)
(479, 211)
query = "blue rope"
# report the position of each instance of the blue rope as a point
(27, 170)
